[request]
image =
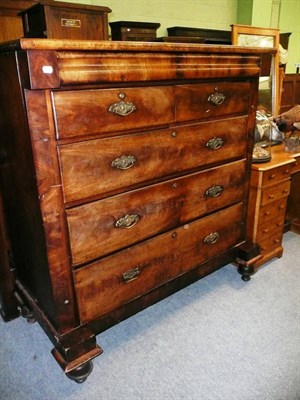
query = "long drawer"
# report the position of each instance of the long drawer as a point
(107, 284)
(100, 166)
(90, 112)
(104, 226)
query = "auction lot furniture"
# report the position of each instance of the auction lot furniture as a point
(124, 176)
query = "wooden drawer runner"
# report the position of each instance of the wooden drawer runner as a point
(104, 226)
(117, 279)
(275, 192)
(272, 210)
(94, 167)
(206, 101)
(91, 112)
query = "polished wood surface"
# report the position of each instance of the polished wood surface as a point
(130, 167)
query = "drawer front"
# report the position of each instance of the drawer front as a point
(271, 243)
(104, 226)
(117, 279)
(270, 228)
(101, 166)
(211, 100)
(90, 112)
(277, 174)
(275, 192)
(272, 210)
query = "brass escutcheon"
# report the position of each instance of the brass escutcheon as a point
(216, 98)
(128, 221)
(131, 274)
(214, 143)
(212, 238)
(124, 162)
(122, 108)
(214, 191)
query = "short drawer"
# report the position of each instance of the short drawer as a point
(277, 174)
(102, 227)
(101, 166)
(211, 100)
(90, 112)
(275, 192)
(105, 285)
(272, 210)
(270, 228)
(271, 243)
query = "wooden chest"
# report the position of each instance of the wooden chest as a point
(60, 20)
(133, 30)
(124, 177)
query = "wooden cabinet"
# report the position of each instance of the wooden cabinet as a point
(125, 176)
(269, 191)
(61, 20)
(133, 30)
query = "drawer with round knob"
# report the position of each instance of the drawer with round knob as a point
(270, 228)
(277, 174)
(101, 227)
(272, 210)
(107, 284)
(275, 192)
(104, 166)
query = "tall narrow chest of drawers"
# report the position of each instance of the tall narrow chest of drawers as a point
(124, 177)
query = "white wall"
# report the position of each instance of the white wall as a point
(212, 14)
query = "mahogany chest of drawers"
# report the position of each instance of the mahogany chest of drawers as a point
(124, 177)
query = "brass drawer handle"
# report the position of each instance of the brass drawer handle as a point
(214, 143)
(124, 162)
(131, 274)
(212, 238)
(217, 98)
(128, 221)
(214, 191)
(122, 108)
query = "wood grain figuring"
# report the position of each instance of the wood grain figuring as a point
(159, 260)
(92, 227)
(192, 101)
(86, 166)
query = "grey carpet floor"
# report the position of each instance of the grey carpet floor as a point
(218, 339)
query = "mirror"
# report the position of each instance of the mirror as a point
(269, 84)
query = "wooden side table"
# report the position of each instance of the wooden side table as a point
(270, 185)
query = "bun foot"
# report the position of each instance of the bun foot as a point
(80, 373)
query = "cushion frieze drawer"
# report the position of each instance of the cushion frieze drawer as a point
(117, 279)
(100, 111)
(100, 166)
(211, 100)
(104, 226)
